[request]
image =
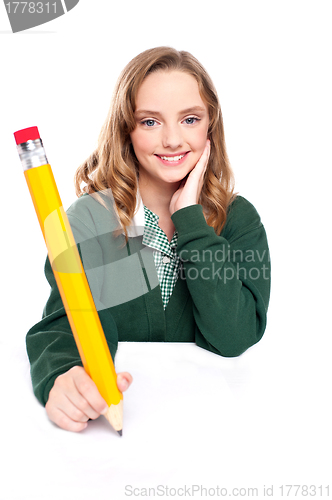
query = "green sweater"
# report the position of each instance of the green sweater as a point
(219, 301)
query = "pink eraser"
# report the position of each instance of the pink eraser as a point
(27, 134)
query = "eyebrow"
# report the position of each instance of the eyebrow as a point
(194, 109)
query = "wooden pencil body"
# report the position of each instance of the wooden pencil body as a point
(73, 285)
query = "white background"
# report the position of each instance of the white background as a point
(271, 64)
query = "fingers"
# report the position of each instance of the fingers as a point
(124, 380)
(190, 189)
(202, 163)
(196, 176)
(73, 400)
(195, 179)
(86, 397)
(62, 420)
(207, 152)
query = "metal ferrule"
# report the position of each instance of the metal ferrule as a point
(32, 154)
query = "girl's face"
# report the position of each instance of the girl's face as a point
(172, 123)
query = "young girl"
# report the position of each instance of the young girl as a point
(170, 253)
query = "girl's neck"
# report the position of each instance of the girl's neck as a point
(157, 198)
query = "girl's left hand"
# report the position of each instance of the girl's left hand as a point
(191, 187)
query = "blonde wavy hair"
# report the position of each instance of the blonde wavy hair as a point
(114, 165)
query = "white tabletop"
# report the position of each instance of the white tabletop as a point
(194, 422)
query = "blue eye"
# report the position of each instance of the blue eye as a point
(149, 122)
(191, 120)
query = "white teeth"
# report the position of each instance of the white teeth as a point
(172, 158)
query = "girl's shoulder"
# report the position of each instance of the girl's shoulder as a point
(242, 217)
(93, 213)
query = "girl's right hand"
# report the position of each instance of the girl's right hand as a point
(191, 187)
(74, 399)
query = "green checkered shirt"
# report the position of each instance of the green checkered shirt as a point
(165, 257)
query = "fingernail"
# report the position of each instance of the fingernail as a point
(105, 410)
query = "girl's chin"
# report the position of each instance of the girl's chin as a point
(166, 176)
(174, 179)
(177, 174)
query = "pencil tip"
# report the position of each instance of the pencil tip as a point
(120, 432)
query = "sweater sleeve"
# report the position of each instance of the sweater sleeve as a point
(50, 343)
(228, 276)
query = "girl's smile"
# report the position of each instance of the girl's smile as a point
(173, 160)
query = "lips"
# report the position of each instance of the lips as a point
(173, 159)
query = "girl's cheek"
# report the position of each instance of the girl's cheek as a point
(141, 141)
(202, 136)
(201, 141)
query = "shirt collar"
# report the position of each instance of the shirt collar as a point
(138, 222)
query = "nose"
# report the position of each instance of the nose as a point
(172, 136)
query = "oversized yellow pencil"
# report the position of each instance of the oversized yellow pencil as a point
(69, 273)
